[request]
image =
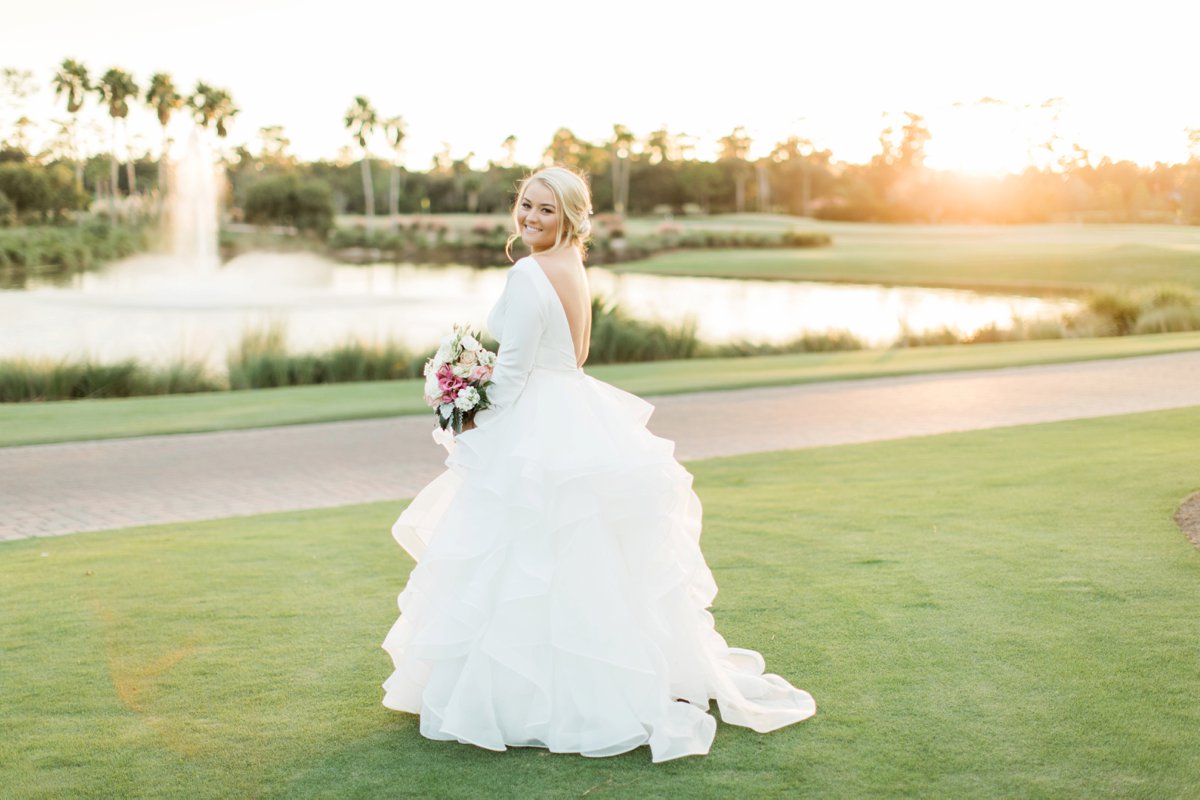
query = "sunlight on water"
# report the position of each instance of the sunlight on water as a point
(145, 308)
(778, 311)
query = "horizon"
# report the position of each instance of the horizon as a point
(987, 115)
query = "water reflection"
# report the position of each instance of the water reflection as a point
(144, 309)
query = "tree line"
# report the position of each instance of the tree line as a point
(654, 173)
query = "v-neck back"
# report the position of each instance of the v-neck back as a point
(562, 310)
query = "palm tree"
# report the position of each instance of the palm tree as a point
(223, 110)
(660, 145)
(16, 87)
(510, 150)
(275, 144)
(396, 130)
(622, 147)
(361, 120)
(466, 195)
(796, 153)
(565, 148)
(165, 100)
(72, 80)
(212, 106)
(736, 147)
(114, 89)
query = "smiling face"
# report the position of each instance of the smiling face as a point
(538, 217)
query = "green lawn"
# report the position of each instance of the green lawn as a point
(1007, 613)
(1042, 259)
(76, 420)
(1026, 258)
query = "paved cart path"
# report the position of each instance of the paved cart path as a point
(53, 489)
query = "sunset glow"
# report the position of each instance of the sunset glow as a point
(982, 76)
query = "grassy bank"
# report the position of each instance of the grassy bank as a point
(31, 423)
(1007, 613)
(263, 360)
(1041, 259)
(52, 249)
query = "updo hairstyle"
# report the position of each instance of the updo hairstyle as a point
(574, 199)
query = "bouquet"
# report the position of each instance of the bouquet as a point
(457, 377)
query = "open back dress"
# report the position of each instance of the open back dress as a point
(560, 598)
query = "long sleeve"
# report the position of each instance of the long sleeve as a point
(524, 322)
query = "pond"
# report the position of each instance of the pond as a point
(151, 309)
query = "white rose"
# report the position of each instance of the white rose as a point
(444, 354)
(469, 357)
(470, 342)
(467, 398)
(460, 371)
(432, 389)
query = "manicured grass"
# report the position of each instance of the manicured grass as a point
(77, 420)
(1007, 613)
(1026, 258)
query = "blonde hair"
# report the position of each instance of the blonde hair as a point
(574, 198)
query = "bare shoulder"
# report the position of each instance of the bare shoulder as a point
(564, 268)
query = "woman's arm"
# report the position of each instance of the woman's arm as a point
(524, 321)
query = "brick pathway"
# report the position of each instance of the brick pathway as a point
(87, 486)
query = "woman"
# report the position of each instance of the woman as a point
(560, 596)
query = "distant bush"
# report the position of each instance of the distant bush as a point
(67, 246)
(1164, 308)
(618, 338)
(930, 338)
(428, 240)
(261, 360)
(23, 380)
(38, 193)
(303, 203)
(736, 238)
(806, 239)
(432, 240)
(819, 342)
(1172, 319)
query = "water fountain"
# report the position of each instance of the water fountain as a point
(193, 205)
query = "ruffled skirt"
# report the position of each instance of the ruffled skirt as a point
(560, 596)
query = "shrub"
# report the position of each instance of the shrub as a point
(1164, 308)
(930, 338)
(34, 191)
(1165, 295)
(820, 342)
(806, 239)
(1170, 319)
(53, 247)
(24, 380)
(303, 203)
(1112, 310)
(618, 339)
(261, 360)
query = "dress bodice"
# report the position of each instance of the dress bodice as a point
(531, 325)
(528, 291)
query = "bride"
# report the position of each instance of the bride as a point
(560, 596)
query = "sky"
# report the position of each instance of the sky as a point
(1120, 75)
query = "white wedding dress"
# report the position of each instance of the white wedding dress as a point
(560, 596)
